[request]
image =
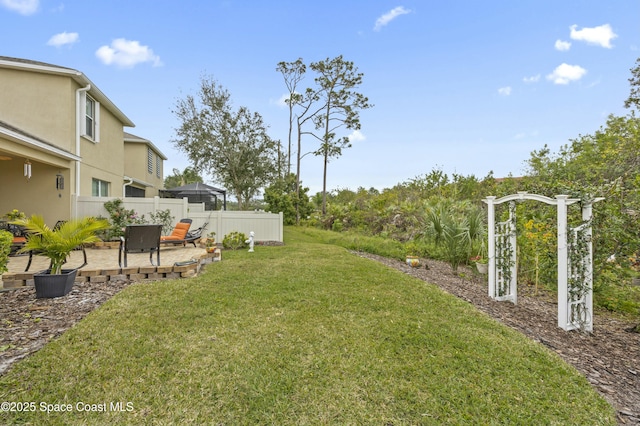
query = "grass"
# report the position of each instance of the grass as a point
(300, 334)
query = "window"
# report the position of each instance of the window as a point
(90, 114)
(158, 163)
(99, 188)
(149, 160)
(132, 191)
(91, 124)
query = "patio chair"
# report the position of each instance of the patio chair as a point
(196, 234)
(179, 233)
(140, 239)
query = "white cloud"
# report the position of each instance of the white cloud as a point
(62, 39)
(126, 54)
(23, 7)
(564, 74)
(390, 16)
(532, 79)
(562, 45)
(356, 136)
(282, 101)
(600, 36)
(504, 91)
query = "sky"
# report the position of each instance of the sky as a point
(462, 86)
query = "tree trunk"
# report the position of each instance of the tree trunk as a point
(290, 132)
(298, 174)
(324, 183)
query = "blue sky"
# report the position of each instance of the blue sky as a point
(464, 86)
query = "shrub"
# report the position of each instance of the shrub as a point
(119, 219)
(15, 214)
(164, 218)
(234, 240)
(5, 248)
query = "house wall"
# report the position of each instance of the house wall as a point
(44, 106)
(41, 104)
(104, 159)
(40, 109)
(37, 195)
(135, 166)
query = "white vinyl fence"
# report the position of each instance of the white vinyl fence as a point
(266, 226)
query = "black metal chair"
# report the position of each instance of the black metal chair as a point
(140, 239)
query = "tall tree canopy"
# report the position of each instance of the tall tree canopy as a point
(230, 145)
(634, 96)
(340, 107)
(181, 178)
(293, 73)
(331, 105)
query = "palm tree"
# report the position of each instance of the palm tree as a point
(57, 243)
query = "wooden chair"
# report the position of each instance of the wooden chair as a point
(140, 239)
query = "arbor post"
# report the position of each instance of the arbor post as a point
(491, 246)
(563, 264)
(587, 213)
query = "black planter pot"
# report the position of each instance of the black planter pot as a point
(48, 285)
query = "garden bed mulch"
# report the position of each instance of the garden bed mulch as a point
(609, 357)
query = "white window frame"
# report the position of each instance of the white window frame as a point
(90, 131)
(158, 163)
(102, 185)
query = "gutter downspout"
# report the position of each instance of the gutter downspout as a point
(74, 212)
(124, 187)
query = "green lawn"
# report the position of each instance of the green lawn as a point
(305, 333)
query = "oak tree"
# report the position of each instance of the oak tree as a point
(232, 146)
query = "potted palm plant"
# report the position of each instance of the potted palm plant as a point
(56, 244)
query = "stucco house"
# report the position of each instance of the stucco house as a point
(61, 137)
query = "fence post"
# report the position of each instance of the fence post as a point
(185, 207)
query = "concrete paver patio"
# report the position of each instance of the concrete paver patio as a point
(108, 259)
(102, 265)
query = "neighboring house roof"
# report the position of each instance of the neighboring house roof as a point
(24, 138)
(128, 137)
(80, 78)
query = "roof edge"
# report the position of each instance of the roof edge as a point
(77, 76)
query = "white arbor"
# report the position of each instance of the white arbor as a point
(575, 254)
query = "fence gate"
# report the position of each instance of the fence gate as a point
(575, 254)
